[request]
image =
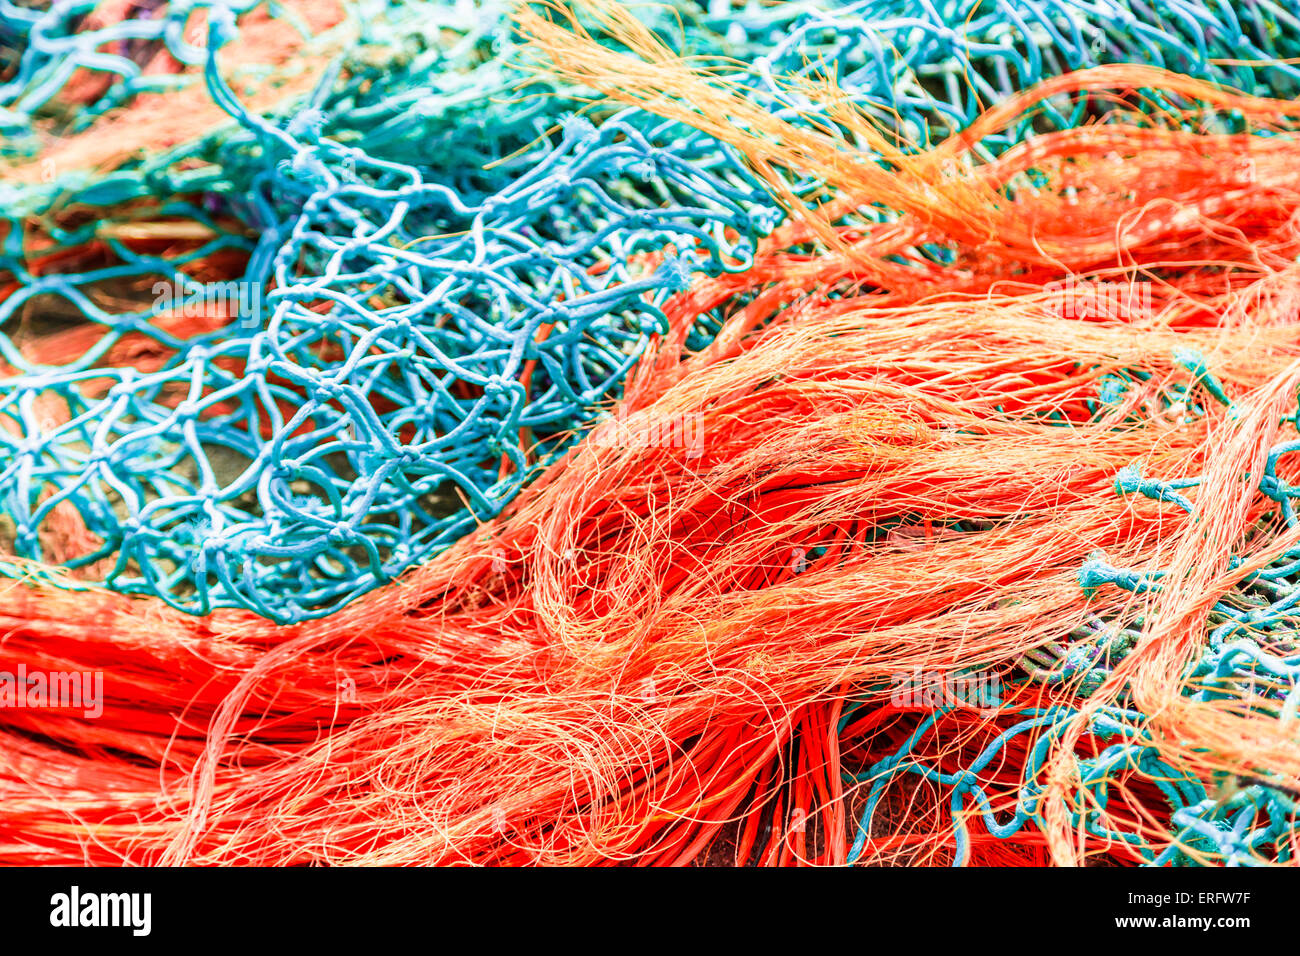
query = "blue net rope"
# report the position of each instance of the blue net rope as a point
(1237, 823)
(1248, 655)
(442, 278)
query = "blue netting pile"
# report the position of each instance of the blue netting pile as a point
(444, 276)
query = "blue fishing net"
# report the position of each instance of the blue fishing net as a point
(1238, 822)
(1248, 655)
(1233, 820)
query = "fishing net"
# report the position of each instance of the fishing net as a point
(302, 353)
(693, 498)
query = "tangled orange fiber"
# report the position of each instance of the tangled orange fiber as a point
(892, 461)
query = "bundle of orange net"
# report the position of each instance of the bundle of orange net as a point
(1022, 424)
